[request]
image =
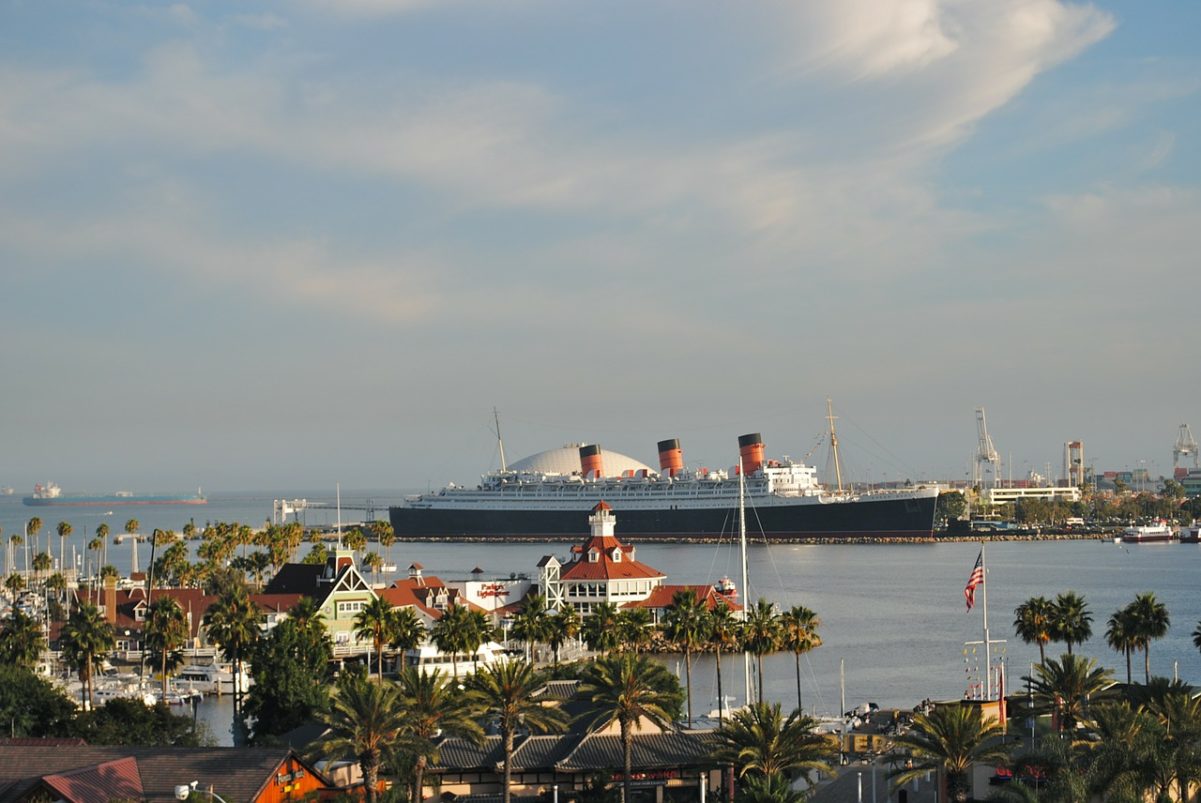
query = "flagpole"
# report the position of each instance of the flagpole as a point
(987, 644)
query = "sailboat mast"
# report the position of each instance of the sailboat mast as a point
(746, 591)
(500, 442)
(338, 490)
(834, 442)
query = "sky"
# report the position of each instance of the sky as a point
(269, 245)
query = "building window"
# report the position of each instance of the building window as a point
(593, 556)
(616, 555)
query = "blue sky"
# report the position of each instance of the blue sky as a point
(271, 245)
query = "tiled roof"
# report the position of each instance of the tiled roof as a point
(605, 568)
(109, 780)
(558, 690)
(237, 774)
(543, 752)
(650, 751)
(461, 754)
(661, 597)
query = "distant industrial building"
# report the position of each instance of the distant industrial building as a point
(1001, 496)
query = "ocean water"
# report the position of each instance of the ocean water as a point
(892, 614)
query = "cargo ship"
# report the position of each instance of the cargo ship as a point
(548, 497)
(50, 495)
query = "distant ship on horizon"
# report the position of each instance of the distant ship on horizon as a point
(49, 494)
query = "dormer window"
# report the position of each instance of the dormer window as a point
(617, 555)
(593, 556)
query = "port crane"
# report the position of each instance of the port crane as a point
(1186, 445)
(986, 453)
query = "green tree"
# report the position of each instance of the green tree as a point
(32, 530)
(1073, 621)
(290, 666)
(408, 632)
(565, 625)
(434, 707)
(364, 720)
(374, 621)
(64, 531)
(1149, 620)
(123, 721)
(1066, 687)
(452, 633)
(21, 641)
(532, 624)
(1034, 623)
(1121, 636)
(758, 739)
(599, 628)
(798, 635)
(30, 705)
(949, 740)
(684, 623)
(725, 634)
(232, 623)
(769, 789)
(14, 583)
(634, 630)
(102, 532)
(86, 639)
(761, 634)
(506, 692)
(166, 634)
(629, 690)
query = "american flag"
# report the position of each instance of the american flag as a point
(976, 578)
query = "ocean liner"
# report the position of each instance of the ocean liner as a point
(548, 497)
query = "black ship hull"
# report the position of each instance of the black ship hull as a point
(907, 518)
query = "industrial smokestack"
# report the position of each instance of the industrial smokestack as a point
(592, 465)
(671, 457)
(751, 448)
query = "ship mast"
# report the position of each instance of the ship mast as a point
(499, 440)
(834, 442)
(746, 591)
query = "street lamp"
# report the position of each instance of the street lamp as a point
(184, 790)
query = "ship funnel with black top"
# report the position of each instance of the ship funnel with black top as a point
(592, 465)
(671, 457)
(750, 447)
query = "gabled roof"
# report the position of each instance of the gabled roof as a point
(239, 773)
(109, 780)
(605, 568)
(661, 597)
(295, 578)
(651, 751)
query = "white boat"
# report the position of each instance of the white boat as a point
(211, 679)
(126, 687)
(1159, 532)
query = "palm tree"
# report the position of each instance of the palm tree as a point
(14, 583)
(15, 540)
(564, 625)
(166, 632)
(364, 721)
(374, 621)
(42, 562)
(769, 789)
(1072, 621)
(761, 634)
(506, 693)
(798, 634)
(1066, 687)
(1120, 635)
(725, 633)
(628, 690)
(64, 530)
(433, 706)
(21, 641)
(131, 529)
(232, 622)
(949, 739)
(94, 546)
(599, 628)
(102, 533)
(85, 639)
(1150, 621)
(684, 623)
(408, 632)
(759, 740)
(1033, 622)
(31, 531)
(452, 633)
(634, 628)
(532, 623)
(1124, 761)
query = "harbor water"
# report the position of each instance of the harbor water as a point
(893, 614)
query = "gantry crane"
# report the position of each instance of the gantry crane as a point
(986, 453)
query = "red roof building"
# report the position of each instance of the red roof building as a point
(602, 569)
